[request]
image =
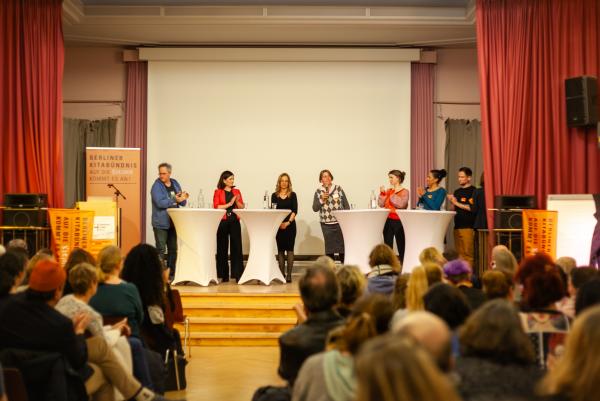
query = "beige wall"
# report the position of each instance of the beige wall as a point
(95, 73)
(456, 80)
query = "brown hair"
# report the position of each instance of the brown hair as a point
(542, 283)
(323, 172)
(417, 287)
(494, 331)
(278, 187)
(224, 175)
(382, 254)
(576, 373)
(109, 259)
(434, 273)
(432, 255)
(399, 294)
(496, 284)
(352, 284)
(78, 256)
(355, 332)
(81, 277)
(393, 368)
(399, 174)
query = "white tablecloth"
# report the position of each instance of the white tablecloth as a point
(362, 229)
(422, 229)
(197, 235)
(262, 226)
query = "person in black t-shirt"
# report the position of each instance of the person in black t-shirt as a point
(462, 202)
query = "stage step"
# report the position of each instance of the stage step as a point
(238, 319)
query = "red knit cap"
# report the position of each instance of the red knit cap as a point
(46, 276)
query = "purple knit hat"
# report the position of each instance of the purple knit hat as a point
(456, 267)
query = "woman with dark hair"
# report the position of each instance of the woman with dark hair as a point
(76, 257)
(542, 288)
(588, 295)
(385, 268)
(396, 197)
(433, 196)
(12, 271)
(144, 268)
(285, 198)
(328, 198)
(228, 197)
(497, 361)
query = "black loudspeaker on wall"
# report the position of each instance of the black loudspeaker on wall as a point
(582, 101)
(508, 213)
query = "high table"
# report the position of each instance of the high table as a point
(422, 229)
(262, 226)
(362, 229)
(197, 236)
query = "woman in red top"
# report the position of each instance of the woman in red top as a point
(227, 197)
(394, 198)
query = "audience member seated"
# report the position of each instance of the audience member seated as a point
(30, 322)
(76, 257)
(503, 259)
(577, 278)
(325, 261)
(458, 273)
(385, 268)
(116, 297)
(30, 264)
(352, 287)
(434, 272)
(497, 361)
(432, 255)
(415, 289)
(587, 295)
(12, 271)
(450, 254)
(144, 268)
(497, 284)
(542, 288)
(432, 333)
(329, 376)
(320, 293)
(575, 375)
(394, 368)
(451, 305)
(399, 294)
(17, 243)
(567, 264)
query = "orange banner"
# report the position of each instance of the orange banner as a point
(71, 229)
(539, 232)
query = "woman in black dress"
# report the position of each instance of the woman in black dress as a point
(285, 198)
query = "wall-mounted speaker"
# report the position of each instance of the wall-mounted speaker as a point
(581, 94)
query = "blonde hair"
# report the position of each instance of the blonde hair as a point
(431, 255)
(278, 185)
(504, 259)
(416, 287)
(395, 368)
(352, 284)
(109, 259)
(382, 254)
(325, 261)
(81, 277)
(566, 263)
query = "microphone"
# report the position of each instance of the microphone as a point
(109, 185)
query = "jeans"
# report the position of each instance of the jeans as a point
(166, 243)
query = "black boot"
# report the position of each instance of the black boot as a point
(290, 267)
(281, 261)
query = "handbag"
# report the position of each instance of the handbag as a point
(175, 364)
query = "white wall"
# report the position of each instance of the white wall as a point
(259, 119)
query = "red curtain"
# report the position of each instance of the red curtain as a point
(526, 50)
(31, 72)
(421, 125)
(135, 123)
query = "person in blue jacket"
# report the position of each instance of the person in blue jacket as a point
(433, 196)
(166, 193)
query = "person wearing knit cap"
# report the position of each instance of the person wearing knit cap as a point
(29, 314)
(458, 273)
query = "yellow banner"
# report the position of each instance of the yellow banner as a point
(539, 232)
(71, 229)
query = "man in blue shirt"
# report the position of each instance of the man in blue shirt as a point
(166, 193)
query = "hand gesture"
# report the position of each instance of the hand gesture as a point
(233, 200)
(283, 226)
(452, 199)
(382, 189)
(80, 322)
(324, 196)
(420, 191)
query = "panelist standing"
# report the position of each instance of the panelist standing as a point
(433, 196)
(285, 198)
(396, 197)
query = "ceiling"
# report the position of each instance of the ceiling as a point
(427, 23)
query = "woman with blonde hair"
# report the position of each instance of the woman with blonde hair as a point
(393, 368)
(416, 288)
(352, 287)
(285, 198)
(575, 375)
(432, 255)
(385, 268)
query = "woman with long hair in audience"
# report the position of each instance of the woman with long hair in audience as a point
(229, 233)
(352, 287)
(144, 268)
(329, 375)
(432, 197)
(416, 288)
(76, 257)
(394, 368)
(575, 375)
(432, 255)
(285, 198)
(545, 324)
(396, 197)
(497, 361)
(385, 268)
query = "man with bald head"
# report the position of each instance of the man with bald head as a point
(431, 332)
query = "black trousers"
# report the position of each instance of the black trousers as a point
(391, 229)
(229, 237)
(166, 244)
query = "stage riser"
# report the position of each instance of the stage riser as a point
(196, 342)
(254, 328)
